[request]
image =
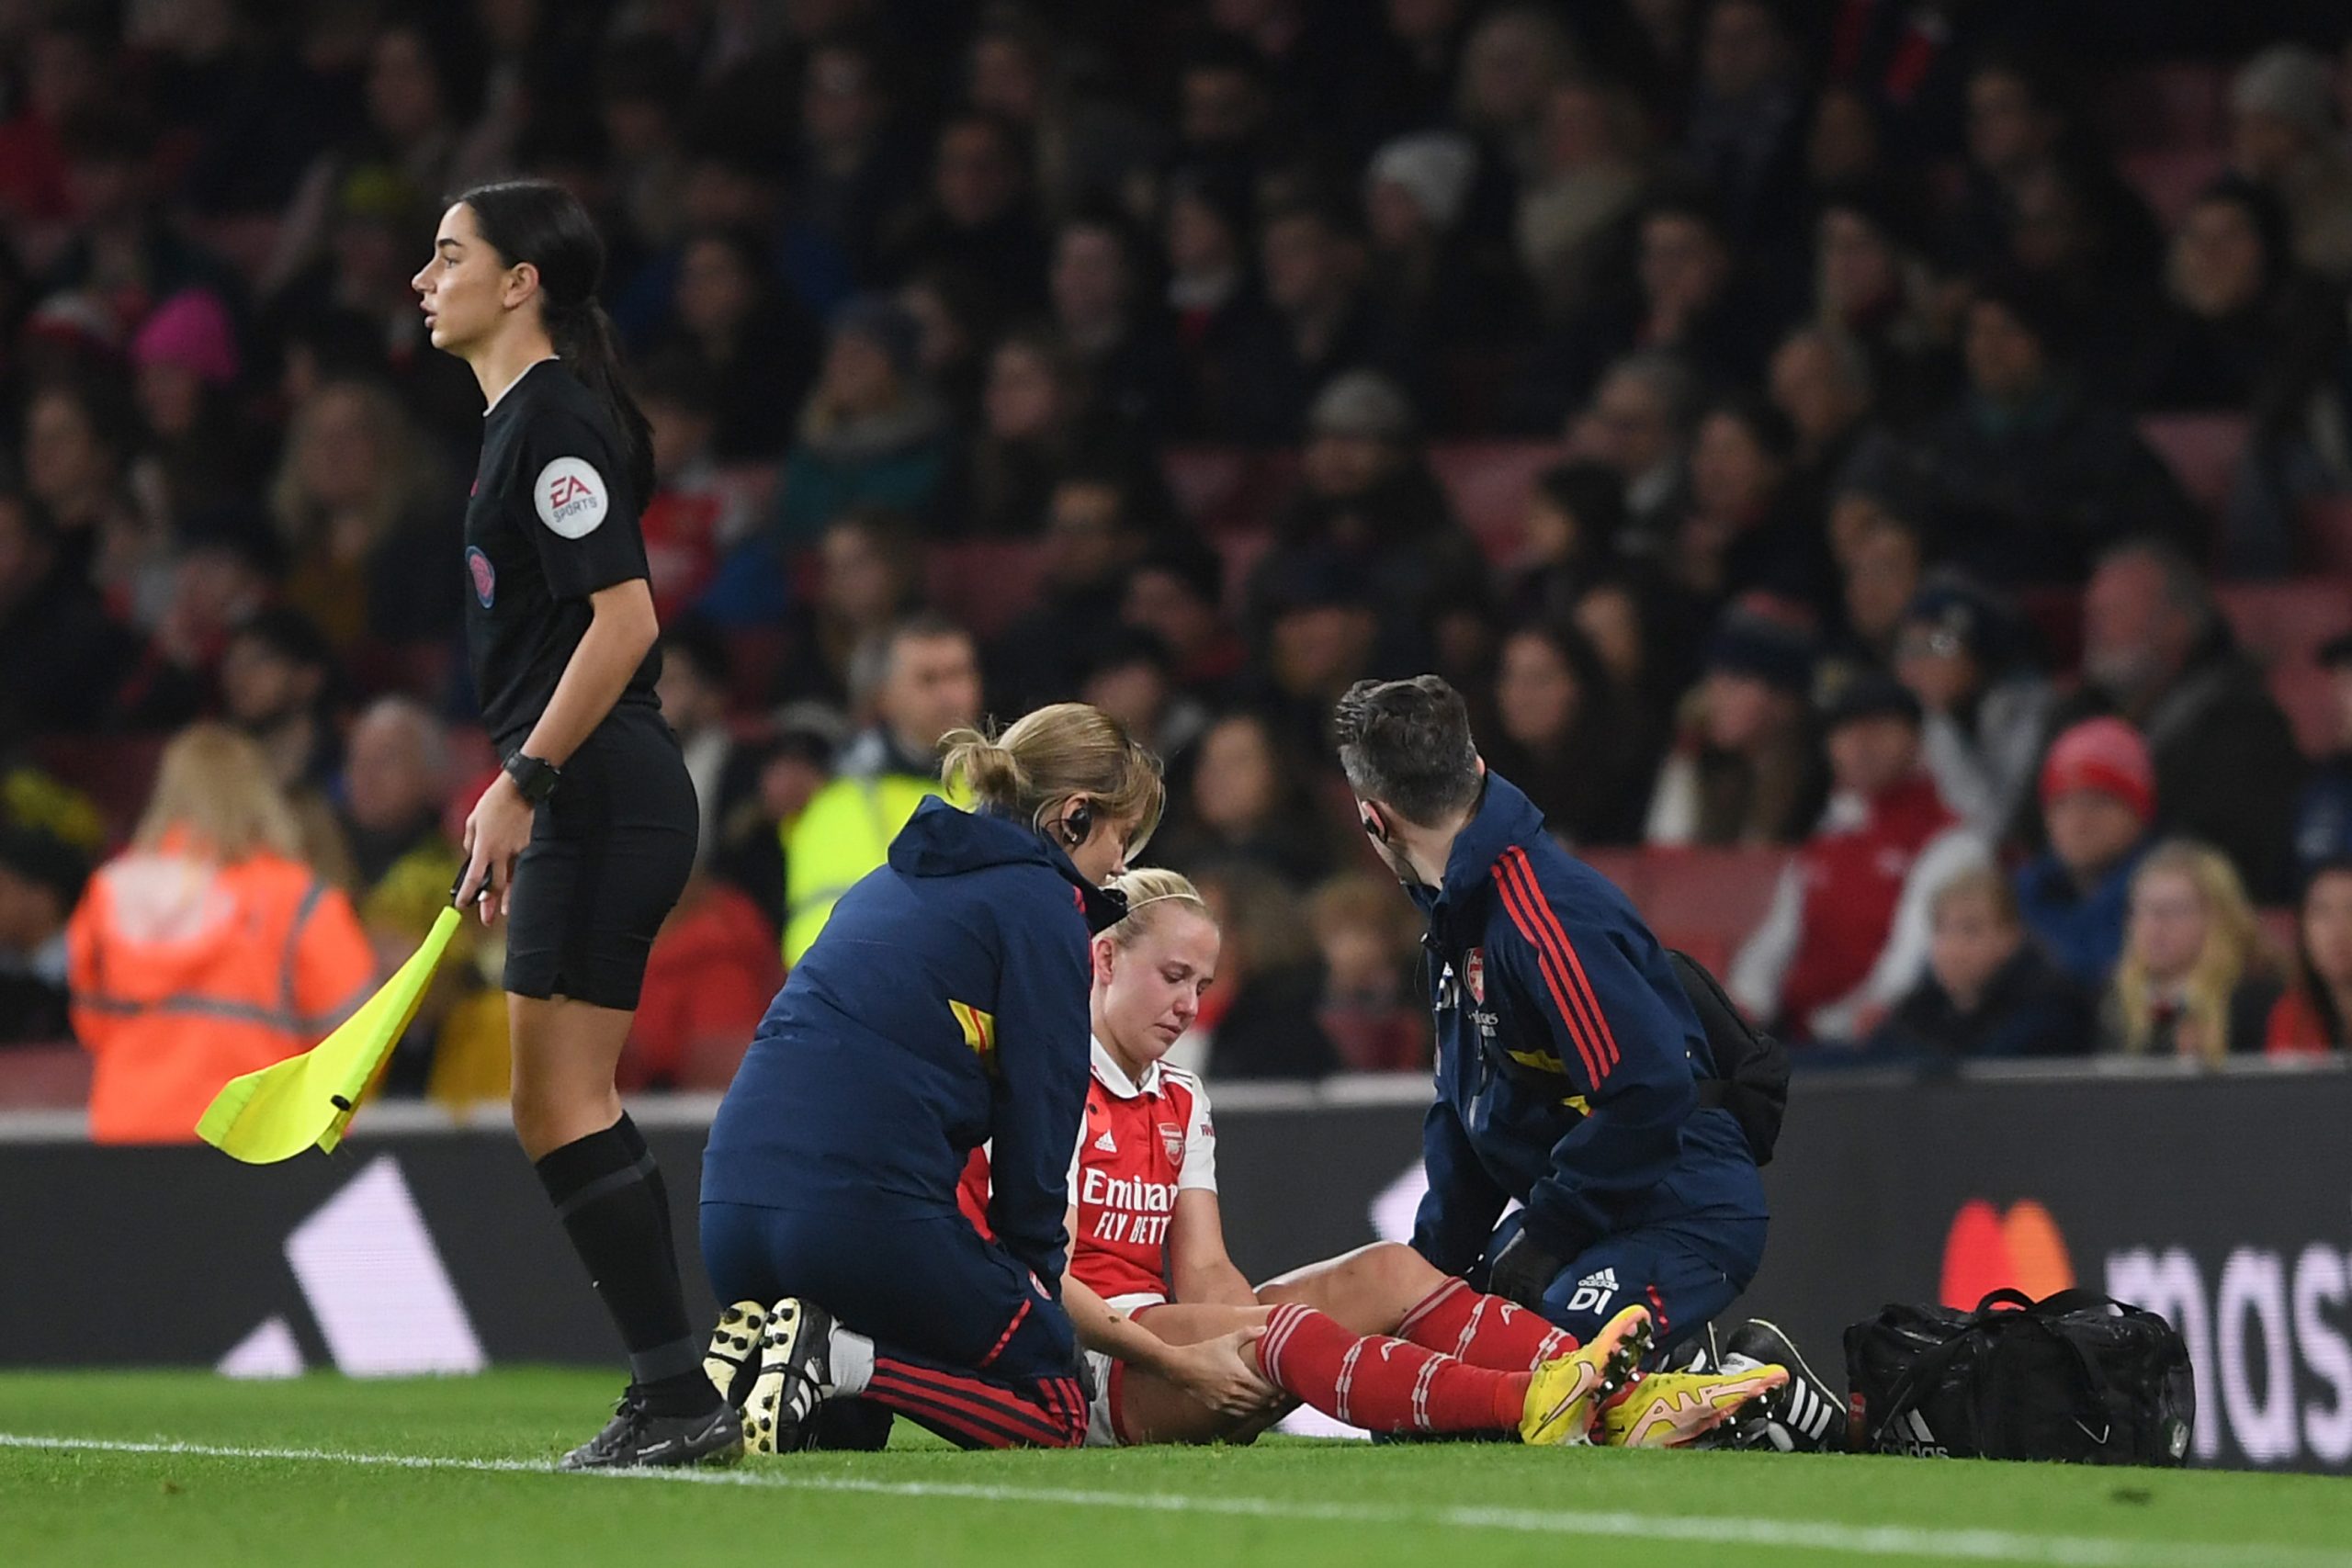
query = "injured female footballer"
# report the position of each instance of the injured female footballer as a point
(1378, 1338)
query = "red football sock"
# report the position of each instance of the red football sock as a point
(1385, 1386)
(1485, 1331)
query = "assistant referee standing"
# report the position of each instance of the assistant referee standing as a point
(586, 839)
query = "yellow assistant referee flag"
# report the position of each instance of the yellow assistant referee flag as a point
(309, 1099)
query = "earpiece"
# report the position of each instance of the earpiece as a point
(1373, 828)
(1079, 824)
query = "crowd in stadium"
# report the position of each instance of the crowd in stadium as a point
(1873, 477)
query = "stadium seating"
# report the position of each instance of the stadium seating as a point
(44, 1078)
(2171, 179)
(2284, 622)
(2169, 105)
(2203, 451)
(1488, 483)
(1702, 901)
(985, 583)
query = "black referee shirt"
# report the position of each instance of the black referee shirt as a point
(547, 526)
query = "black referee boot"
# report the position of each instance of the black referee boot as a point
(636, 1436)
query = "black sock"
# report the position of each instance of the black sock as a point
(607, 1191)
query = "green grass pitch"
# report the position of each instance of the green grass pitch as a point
(155, 1468)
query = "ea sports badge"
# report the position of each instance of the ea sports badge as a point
(1474, 974)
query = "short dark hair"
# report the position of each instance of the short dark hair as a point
(1407, 744)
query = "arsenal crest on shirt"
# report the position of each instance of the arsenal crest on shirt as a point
(1172, 1141)
(1474, 974)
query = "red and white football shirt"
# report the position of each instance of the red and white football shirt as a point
(1143, 1141)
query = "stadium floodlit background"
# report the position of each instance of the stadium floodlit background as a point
(1787, 420)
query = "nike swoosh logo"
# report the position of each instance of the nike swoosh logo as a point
(658, 1450)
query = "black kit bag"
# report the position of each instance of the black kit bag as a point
(2076, 1376)
(1751, 1077)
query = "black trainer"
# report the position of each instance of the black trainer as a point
(1806, 1415)
(636, 1436)
(793, 1379)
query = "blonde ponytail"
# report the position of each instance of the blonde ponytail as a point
(1048, 756)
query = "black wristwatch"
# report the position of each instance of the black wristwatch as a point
(536, 779)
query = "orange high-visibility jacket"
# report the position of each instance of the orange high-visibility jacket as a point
(185, 974)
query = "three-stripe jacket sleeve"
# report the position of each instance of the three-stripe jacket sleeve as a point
(1623, 1050)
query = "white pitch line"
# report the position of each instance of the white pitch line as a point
(1789, 1535)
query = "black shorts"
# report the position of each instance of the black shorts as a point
(610, 851)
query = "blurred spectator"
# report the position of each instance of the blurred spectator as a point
(1322, 633)
(2194, 980)
(279, 685)
(41, 878)
(869, 576)
(1568, 538)
(1746, 768)
(78, 440)
(1989, 991)
(1639, 423)
(1881, 567)
(1249, 798)
(1092, 539)
(759, 351)
(62, 659)
(1034, 424)
(123, 255)
(366, 523)
(1747, 136)
(1988, 708)
(2023, 145)
(643, 85)
(1205, 235)
(850, 163)
(1176, 593)
(1133, 678)
(223, 572)
(872, 433)
(977, 216)
(697, 675)
(2237, 313)
(2284, 137)
(700, 550)
(788, 760)
(2316, 1015)
(1437, 285)
(1370, 947)
(709, 978)
(1367, 497)
(1846, 936)
(1560, 738)
(911, 684)
(2323, 814)
(1628, 629)
(64, 68)
(1512, 59)
(208, 948)
(1590, 178)
(1318, 322)
(396, 784)
(1873, 285)
(185, 360)
(1121, 340)
(1258, 1021)
(1224, 107)
(954, 327)
(1686, 303)
(2158, 652)
(1820, 379)
(2032, 474)
(1742, 532)
(2098, 802)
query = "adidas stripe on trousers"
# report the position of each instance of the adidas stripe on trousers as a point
(966, 1342)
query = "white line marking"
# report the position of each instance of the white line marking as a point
(1791, 1535)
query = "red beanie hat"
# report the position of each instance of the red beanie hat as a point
(2103, 754)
